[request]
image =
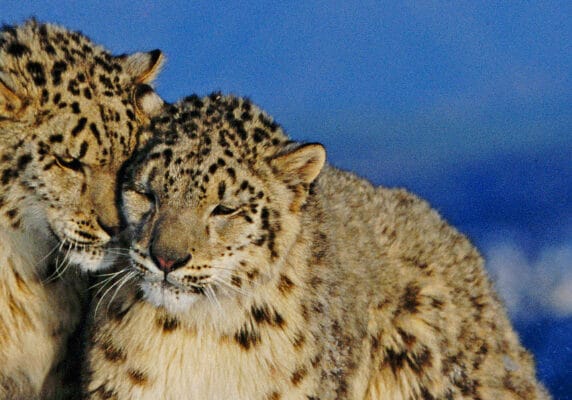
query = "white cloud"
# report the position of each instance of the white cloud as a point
(532, 286)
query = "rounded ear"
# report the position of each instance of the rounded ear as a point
(10, 102)
(301, 165)
(147, 101)
(143, 67)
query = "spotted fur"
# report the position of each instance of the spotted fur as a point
(69, 113)
(259, 273)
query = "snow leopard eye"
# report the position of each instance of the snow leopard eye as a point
(223, 210)
(71, 163)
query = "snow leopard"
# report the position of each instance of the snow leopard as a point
(69, 114)
(258, 271)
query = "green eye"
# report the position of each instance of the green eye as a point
(222, 210)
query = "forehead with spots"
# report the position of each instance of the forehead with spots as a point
(199, 138)
(75, 90)
(99, 134)
(35, 56)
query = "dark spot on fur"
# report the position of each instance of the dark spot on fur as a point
(259, 135)
(426, 395)
(316, 281)
(17, 49)
(407, 338)
(137, 377)
(317, 307)
(57, 138)
(299, 340)
(436, 303)
(374, 346)
(419, 361)
(221, 190)
(274, 396)
(8, 175)
(285, 284)
(168, 323)
(409, 302)
(266, 314)
(12, 213)
(305, 312)
(44, 97)
(298, 375)
(79, 126)
(252, 274)
(167, 155)
(247, 337)
(57, 70)
(36, 70)
(394, 359)
(236, 281)
(73, 87)
(104, 393)
(112, 353)
(466, 385)
(95, 132)
(232, 174)
(24, 160)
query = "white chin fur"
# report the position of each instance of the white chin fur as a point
(160, 296)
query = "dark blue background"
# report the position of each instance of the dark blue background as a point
(466, 103)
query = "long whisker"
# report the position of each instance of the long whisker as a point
(55, 248)
(60, 248)
(110, 279)
(57, 270)
(114, 273)
(66, 263)
(102, 282)
(211, 296)
(124, 280)
(117, 282)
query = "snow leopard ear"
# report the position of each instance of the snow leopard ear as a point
(10, 102)
(301, 165)
(142, 67)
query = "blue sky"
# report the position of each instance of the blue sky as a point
(467, 103)
(430, 83)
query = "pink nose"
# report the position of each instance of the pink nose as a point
(168, 264)
(165, 265)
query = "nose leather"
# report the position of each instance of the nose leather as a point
(168, 264)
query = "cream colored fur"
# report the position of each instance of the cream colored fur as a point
(255, 273)
(69, 112)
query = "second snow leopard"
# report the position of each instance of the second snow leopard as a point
(259, 272)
